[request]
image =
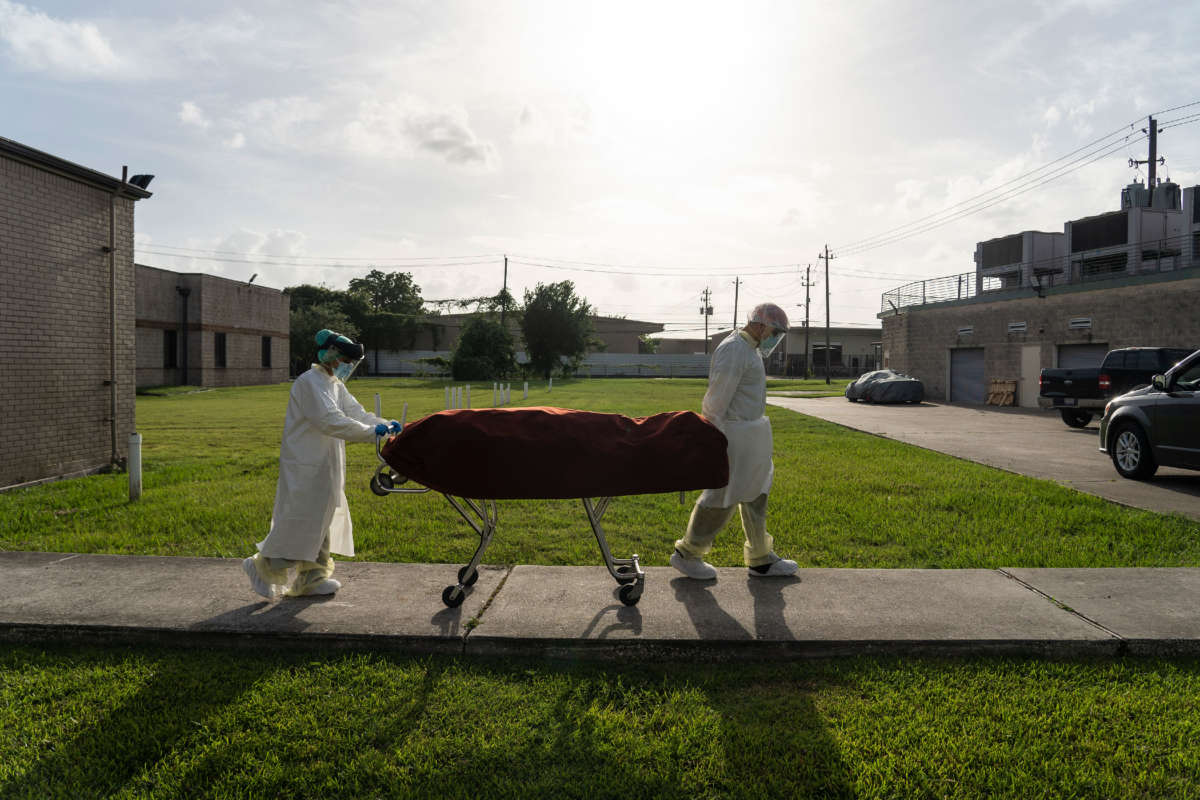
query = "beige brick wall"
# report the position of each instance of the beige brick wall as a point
(1157, 313)
(244, 313)
(54, 307)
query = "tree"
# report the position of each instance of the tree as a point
(647, 344)
(484, 352)
(394, 309)
(556, 324)
(389, 291)
(305, 321)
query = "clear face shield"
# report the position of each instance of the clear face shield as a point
(770, 342)
(342, 357)
(345, 369)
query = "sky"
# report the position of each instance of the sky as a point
(646, 151)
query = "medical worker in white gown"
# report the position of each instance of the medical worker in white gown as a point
(311, 519)
(735, 401)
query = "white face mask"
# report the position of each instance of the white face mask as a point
(768, 345)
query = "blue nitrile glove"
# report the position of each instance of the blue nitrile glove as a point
(381, 429)
(394, 427)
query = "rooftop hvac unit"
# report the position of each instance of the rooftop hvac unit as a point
(1166, 196)
(1080, 323)
(1017, 327)
(1135, 195)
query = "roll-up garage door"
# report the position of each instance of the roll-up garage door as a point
(966, 376)
(1081, 356)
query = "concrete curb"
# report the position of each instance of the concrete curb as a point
(572, 613)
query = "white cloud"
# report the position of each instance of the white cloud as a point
(190, 114)
(35, 42)
(1052, 116)
(237, 141)
(278, 242)
(555, 125)
(408, 125)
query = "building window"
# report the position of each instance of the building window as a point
(170, 350)
(266, 352)
(835, 355)
(219, 349)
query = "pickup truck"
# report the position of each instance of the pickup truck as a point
(1076, 392)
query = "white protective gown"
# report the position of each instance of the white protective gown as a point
(310, 498)
(735, 402)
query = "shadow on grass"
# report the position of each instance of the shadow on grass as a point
(132, 736)
(661, 732)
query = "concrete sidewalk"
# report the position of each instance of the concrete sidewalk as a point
(574, 611)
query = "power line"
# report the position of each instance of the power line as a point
(985, 193)
(697, 272)
(337, 259)
(976, 208)
(984, 199)
(271, 262)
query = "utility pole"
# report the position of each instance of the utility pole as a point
(1154, 160)
(1153, 131)
(504, 293)
(736, 282)
(807, 349)
(826, 256)
(706, 310)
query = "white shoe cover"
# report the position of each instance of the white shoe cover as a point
(782, 568)
(256, 582)
(327, 586)
(695, 568)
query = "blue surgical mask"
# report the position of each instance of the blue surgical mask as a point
(768, 345)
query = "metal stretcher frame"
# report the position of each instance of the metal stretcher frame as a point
(482, 515)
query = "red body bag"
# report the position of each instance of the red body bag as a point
(509, 453)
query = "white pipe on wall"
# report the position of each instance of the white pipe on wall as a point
(135, 466)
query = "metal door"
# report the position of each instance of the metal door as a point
(966, 376)
(1081, 356)
(1031, 367)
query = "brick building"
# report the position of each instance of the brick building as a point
(1122, 279)
(204, 330)
(853, 350)
(66, 242)
(438, 336)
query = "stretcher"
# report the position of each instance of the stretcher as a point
(476, 457)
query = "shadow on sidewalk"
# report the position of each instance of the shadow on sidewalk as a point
(708, 618)
(769, 620)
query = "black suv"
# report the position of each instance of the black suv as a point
(1157, 425)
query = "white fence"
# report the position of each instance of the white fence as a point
(594, 365)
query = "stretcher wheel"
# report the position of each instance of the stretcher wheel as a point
(377, 488)
(630, 593)
(390, 480)
(453, 596)
(465, 582)
(626, 574)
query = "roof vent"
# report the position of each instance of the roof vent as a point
(1080, 323)
(1017, 327)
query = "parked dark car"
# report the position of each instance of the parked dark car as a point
(1078, 394)
(885, 386)
(1156, 426)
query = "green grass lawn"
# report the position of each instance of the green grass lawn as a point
(160, 723)
(841, 498)
(80, 723)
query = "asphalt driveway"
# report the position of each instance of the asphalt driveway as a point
(1026, 441)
